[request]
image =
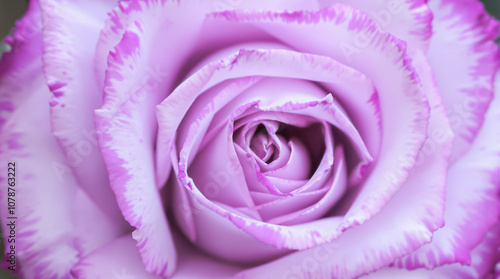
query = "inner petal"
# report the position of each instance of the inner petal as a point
(263, 145)
(299, 163)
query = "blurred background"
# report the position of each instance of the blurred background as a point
(11, 10)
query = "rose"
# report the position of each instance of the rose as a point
(185, 123)
(381, 195)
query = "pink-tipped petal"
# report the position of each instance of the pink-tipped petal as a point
(194, 263)
(464, 29)
(70, 30)
(42, 197)
(48, 230)
(127, 146)
(408, 20)
(472, 199)
(483, 258)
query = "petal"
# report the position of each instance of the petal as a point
(464, 29)
(127, 146)
(408, 20)
(157, 24)
(129, 11)
(335, 189)
(47, 194)
(482, 261)
(298, 165)
(117, 259)
(225, 175)
(28, 118)
(194, 263)
(68, 68)
(26, 39)
(472, 197)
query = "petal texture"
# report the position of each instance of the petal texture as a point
(408, 20)
(127, 146)
(70, 32)
(464, 29)
(483, 258)
(118, 259)
(472, 197)
(49, 235)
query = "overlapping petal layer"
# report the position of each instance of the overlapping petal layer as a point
(408, 20)
(70, 30)
(127, 146)
(48, 203)
(472, 197)
(465, 60)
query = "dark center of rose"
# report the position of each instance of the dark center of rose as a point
(263, 145)
(272, 143)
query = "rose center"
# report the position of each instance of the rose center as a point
(263, 145)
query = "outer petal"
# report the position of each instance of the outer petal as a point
(129, 11)
(70, 31)
(472, 197)
(118, 259)
(408, 20)
(21, 73)
(42, 199)
(127, 146)
(194, 263)
(158, 24)
(481, 266)
(26, 39)
(49, 216)
(463, 29)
